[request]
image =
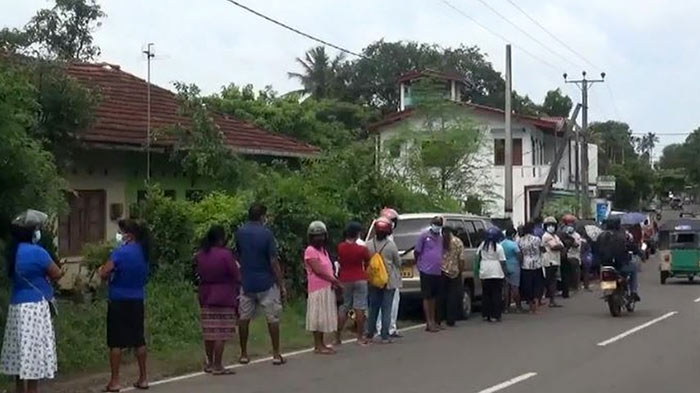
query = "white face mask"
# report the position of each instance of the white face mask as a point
(119, 238)
(551, 228)
(436, 229)
(36, 237)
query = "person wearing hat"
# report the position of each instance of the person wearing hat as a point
(551, 258)
(321, 310)
(393, 216)
(380, 299)
(29, 345)
(490, 268)
(571, 263)
(353, 259)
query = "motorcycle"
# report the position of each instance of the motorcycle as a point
(616, 291)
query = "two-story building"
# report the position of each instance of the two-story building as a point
(535, 142)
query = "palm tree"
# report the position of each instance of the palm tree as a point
(319, 77)
(646, 144)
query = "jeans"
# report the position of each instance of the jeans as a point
(394, 313)
(379, 299)
(492, 298)
(630, 270)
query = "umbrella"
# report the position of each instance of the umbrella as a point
(593, 231)
(31, 218)
(633, 218)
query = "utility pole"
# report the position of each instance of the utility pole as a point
(509, 139)
(584, 84)
(149, 55)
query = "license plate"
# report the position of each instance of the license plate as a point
(605, 285)
(406, 271)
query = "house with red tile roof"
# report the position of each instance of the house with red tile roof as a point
(535, 140)
(108, 172)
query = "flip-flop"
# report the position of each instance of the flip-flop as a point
(225, 371)
(244, 360)
(111, 389)
(279, 361)
(140, 387)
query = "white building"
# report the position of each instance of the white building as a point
(535, 141)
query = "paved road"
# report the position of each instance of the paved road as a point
(560, 346)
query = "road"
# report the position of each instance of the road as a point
(579, 348)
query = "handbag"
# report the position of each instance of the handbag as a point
(53, 306)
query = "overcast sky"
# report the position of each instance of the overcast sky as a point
(647, 47)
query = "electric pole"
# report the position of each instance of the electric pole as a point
(582, 140)
(508, 161)
(149, 55)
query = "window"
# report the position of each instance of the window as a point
(478, 236)
(499, 151)
(459, 231)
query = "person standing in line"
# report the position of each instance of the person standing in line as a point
(539, 228)
(513, 262)
(449, 306)
(29, 345)
(127, 273)
(353, 259)
(572, 243)
(428, 253)
(262, 279)
(490, 267)
(393, 216)
(551, 258)
(219, 288)
(531, 277)
(382, 298)
(586, 258)
(321, 308)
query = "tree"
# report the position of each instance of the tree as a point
(63, 32)
(557, 104)
(615, 144)
(320, 74)
(439, 151)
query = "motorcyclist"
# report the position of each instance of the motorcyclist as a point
(616, 250)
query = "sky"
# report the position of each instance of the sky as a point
(648, 48)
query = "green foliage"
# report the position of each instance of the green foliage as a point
(684, 157)
(615, 144)
(320, 74)
(558, 206)
(63, 32)
(96, 254)
(218, 208)
(634, 184)
(557, 104)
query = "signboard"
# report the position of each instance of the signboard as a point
(606, 183)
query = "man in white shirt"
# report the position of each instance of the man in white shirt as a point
(551, 259)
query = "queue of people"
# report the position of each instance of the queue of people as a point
(523, 266)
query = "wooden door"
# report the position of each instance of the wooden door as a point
(85, 222)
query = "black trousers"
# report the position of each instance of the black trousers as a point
(492, 298)
(565, 277)
(449, 305)
(550, 273)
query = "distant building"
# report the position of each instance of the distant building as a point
(535, 140)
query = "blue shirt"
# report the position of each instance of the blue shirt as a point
(31, 264)
(538, 231)
(511, 249)
(257, 247)
(130, 273)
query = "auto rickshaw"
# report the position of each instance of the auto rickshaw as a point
(679, 246)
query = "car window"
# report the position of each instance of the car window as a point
(478, 236)
(459, 230)
(407, 231)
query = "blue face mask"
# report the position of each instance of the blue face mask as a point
(436, 229)
(36, 237)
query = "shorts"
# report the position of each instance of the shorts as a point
(430, 285)
(125, 324)
(270, 301)
(354, 296)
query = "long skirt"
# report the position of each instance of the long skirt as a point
(29, 347)
(531, 284)
(218, 323)
(322, 311)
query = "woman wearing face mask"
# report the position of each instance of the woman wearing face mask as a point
(29, 346)
(551, 258)
(321, 308)
(127, 274)
(491, 271)
(571, 276)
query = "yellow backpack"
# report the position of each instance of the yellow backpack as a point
(376, 270)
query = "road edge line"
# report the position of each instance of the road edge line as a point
(508, 383)
(636, 329)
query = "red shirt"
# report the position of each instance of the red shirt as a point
(352, 258)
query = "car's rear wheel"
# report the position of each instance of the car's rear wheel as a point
(466, 302)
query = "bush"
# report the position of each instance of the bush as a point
(219, 209)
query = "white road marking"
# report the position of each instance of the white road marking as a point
(636, 329)
(508, 383)
(697, 300)
(256, 361)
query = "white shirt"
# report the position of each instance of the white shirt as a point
(490, 265)
(551, 257)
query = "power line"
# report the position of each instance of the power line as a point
(297, 31)
(504, 39)
(564, 44)
(612, 99)
(495, 11)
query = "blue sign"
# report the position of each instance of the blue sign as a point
(601, 211)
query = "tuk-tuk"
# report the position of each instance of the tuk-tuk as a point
(679, 245)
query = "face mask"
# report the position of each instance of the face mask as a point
(551, 229)
(569, 230)
(36, 237)
(436, 229)
(119, 238)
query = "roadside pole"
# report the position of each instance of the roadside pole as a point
(508, 139)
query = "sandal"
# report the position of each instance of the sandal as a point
(279, 361)
(244, 360)
(140, 387)
(325, 351)
(111, 389)
(223, 371)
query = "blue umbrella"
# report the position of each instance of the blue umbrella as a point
(633, 218)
